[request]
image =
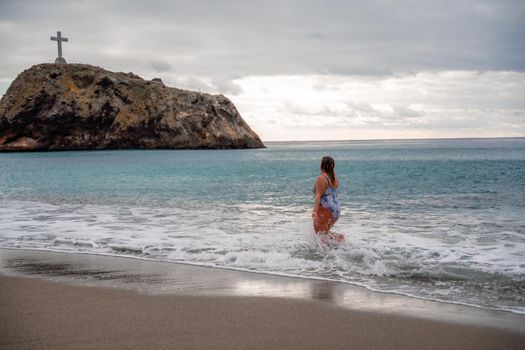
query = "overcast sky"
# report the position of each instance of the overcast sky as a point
(300, 70)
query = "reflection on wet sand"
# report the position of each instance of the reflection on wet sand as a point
(155, 277)
(272, 289)
(324, 290)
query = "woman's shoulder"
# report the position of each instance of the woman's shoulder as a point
(321, 181)
(321, 178)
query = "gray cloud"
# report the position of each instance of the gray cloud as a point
(189, 83)
(404, 65)
(438, 104)
(218, 38)
(160, 66)
(502, 121)
(226, 86)
(406, 112)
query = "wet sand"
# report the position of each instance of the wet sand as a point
(77, 301)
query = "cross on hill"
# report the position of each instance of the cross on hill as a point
(59, 40)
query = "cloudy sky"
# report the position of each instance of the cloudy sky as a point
(299, 69)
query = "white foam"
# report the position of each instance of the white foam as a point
(261, 238)
(61, 241)
(126, 248)
(83, 244)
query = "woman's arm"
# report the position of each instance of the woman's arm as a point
(320, 188)
(317, 200)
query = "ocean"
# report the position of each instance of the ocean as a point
(434, 219)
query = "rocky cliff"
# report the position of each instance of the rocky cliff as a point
(76, 106)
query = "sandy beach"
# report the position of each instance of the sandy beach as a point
(78, 301)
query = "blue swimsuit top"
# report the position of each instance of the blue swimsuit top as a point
(329, 200)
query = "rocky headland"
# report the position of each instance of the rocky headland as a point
(79, 107)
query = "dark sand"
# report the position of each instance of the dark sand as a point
(93, 302)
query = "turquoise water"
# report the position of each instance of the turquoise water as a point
(437, 219)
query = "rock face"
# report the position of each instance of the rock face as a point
(76, 106)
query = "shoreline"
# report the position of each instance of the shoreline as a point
(78, 301)
(51, 300)
(153, 277)
(264, 273)
(49, 315)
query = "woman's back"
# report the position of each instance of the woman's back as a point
(323, 183)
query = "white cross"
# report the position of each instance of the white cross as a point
(59, 40)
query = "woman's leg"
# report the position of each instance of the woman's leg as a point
(323, 223)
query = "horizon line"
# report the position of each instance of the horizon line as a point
(406, 139)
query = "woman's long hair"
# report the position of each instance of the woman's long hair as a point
(328, 165)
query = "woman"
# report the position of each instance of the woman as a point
(326, 207)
